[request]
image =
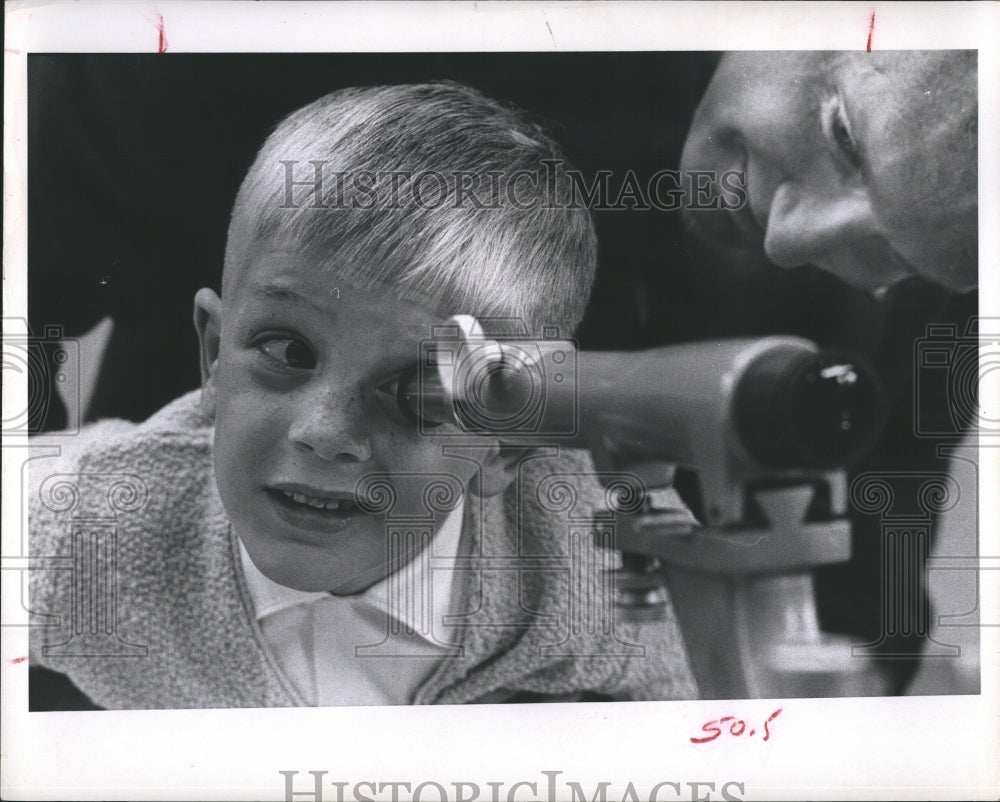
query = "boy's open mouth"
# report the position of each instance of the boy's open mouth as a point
(312, 509)
(317, 502)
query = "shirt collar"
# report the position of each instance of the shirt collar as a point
(269, 597)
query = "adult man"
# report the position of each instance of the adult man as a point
(863, 164)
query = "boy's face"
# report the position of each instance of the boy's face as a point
(302, 370)
(863, 164)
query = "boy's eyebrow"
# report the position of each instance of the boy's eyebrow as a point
(277, 292)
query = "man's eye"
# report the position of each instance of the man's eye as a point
(290, 353)
(837, 128)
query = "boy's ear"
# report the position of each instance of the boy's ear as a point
(208, 324)
(498, 471)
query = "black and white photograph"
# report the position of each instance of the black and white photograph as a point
(432, 419)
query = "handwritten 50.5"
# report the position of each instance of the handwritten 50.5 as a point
(737, 727)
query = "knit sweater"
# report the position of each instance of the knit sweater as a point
(160, 616)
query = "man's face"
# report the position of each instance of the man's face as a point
(863, 164)
(305, 409)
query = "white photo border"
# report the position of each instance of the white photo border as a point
(876, 748)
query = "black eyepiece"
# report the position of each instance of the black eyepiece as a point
(795, 408)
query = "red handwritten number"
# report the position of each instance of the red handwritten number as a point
(708, 727)
(737, 728)
(772, 717)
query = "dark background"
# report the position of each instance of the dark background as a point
(134, 161)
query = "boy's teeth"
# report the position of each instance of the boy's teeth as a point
(318, 503)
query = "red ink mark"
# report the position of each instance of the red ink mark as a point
(12, 51)
(708, 727)
(17, 660)
(737, 728)
(163, 34)
(871, 30)
(774, 715)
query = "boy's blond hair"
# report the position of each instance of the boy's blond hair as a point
(463, 222)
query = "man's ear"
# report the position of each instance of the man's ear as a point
(498, 471)
(208, 324)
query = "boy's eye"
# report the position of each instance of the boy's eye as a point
(290, 353)
(391, 393)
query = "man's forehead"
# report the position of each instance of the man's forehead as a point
(904, 69)
(884, 76)
(901, 77)
(915, 113)
(912, 112)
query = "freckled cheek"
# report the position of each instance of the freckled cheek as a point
(410, 452)
(248, 428)
(397, 451)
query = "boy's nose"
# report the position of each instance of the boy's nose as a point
(332, 428)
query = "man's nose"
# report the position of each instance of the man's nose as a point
(330, 424)
(806, 225)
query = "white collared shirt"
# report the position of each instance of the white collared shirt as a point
(373, 648)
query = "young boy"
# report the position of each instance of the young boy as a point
(290, 536)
